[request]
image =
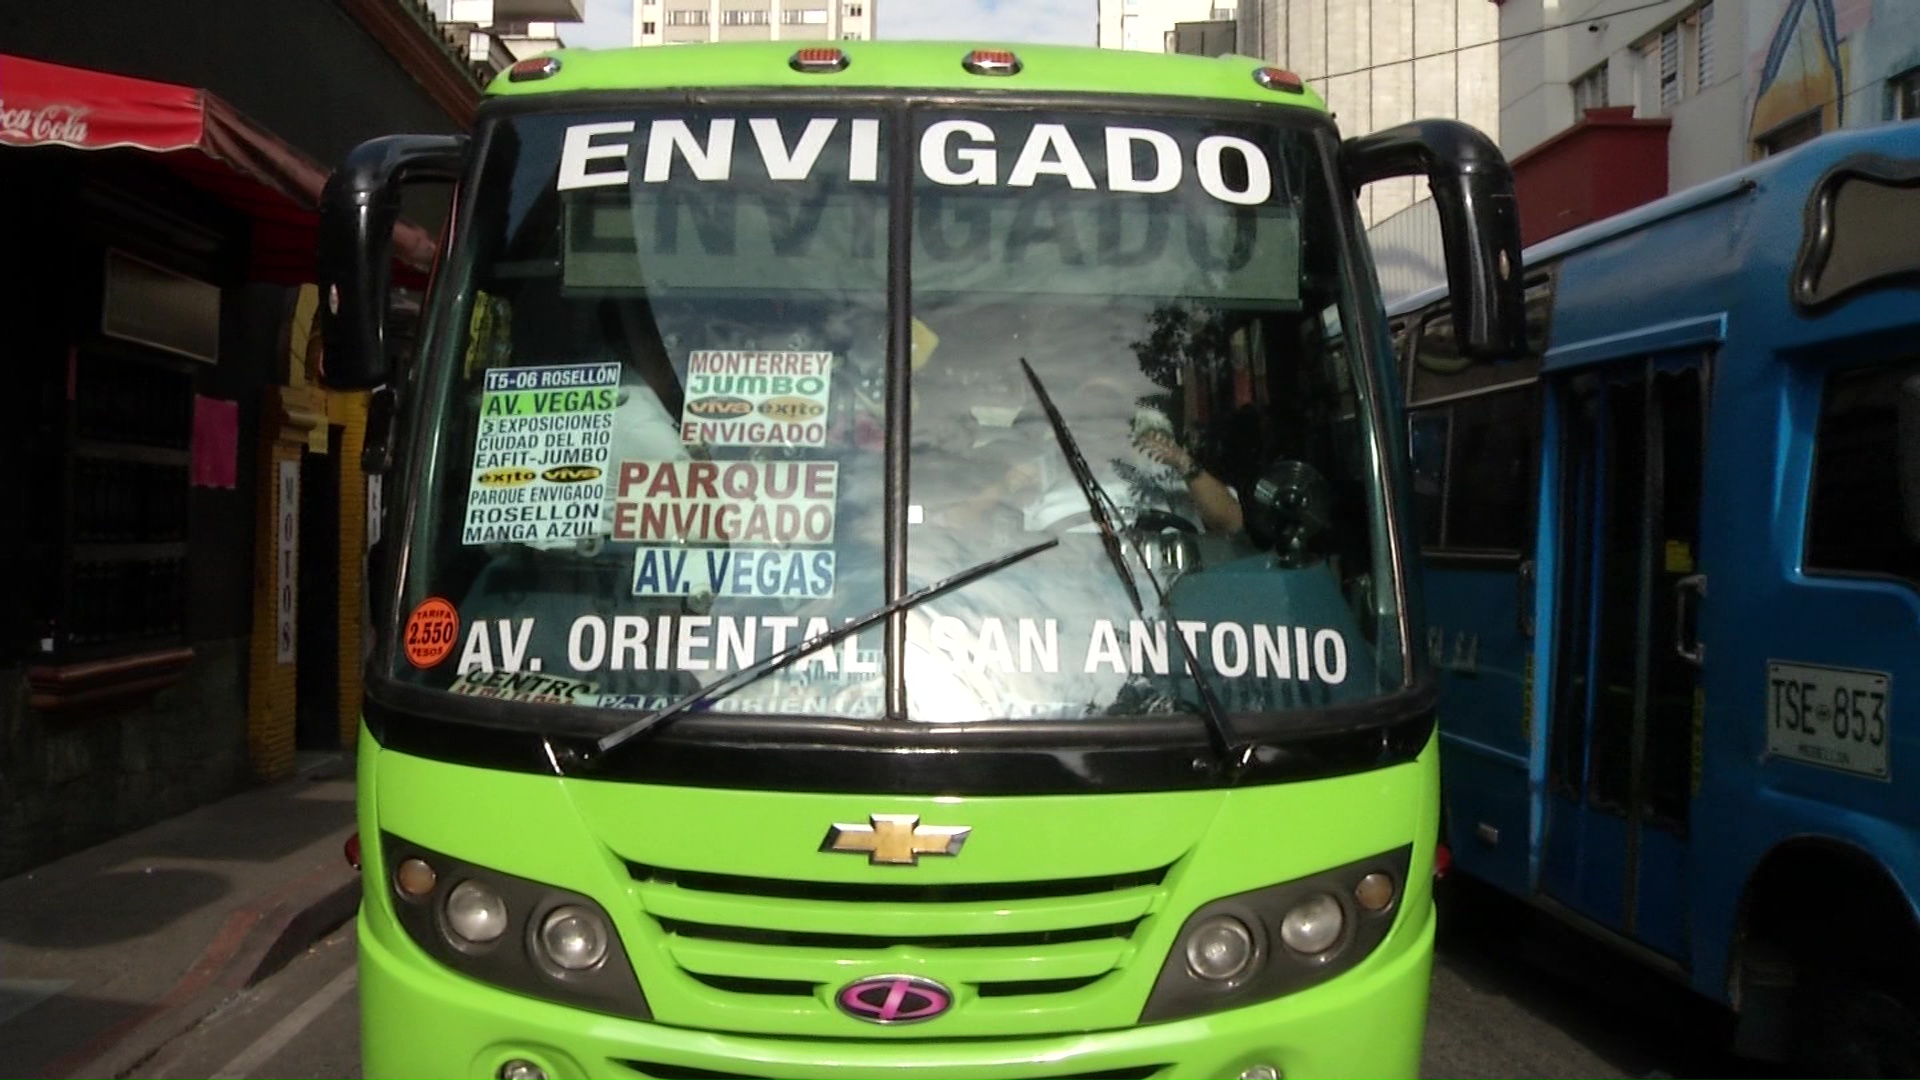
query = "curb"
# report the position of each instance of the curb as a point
(254, 943)
(316, 920)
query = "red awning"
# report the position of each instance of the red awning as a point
(199, 136)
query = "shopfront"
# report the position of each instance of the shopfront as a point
(186, 511)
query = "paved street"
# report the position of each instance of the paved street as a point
(1511, 998)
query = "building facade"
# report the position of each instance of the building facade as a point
(495, 33)
(1384, 62)
(1722, 82)
(682, 22)
(187, 614)
(1148, 25)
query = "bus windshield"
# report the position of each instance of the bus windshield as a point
(662, 437)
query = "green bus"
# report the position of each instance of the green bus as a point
(897, 565)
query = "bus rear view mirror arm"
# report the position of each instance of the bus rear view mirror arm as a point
(358, 211)
(1479, 222)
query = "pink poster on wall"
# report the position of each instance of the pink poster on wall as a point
(216, 442)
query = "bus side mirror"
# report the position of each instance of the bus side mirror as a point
(358, 210)
(1907, 455)
(1479, 223)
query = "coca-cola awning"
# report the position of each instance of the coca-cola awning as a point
(199, 136)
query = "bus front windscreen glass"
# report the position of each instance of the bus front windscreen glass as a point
(655, 419)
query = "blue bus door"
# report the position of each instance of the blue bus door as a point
(1624, 709)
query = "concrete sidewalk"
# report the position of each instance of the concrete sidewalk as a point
(109, 953)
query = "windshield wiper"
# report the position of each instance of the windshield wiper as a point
(1234, 753)
(653, 721)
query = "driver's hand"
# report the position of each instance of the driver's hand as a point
(1162, 448)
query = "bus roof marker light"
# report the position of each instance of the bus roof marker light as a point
(1279, 79)
(992, 62)
(819, 61)
(534, 67)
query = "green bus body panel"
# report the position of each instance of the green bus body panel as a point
(908, 66)
(589, 836)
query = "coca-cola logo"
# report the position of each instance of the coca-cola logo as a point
(49, 123)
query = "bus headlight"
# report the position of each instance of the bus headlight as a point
(1259, 945)
(513, 932)
(1313, 925)
(476, 913)
(1220, 949)
(573, 938)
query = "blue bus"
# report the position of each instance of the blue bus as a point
(1672, 579)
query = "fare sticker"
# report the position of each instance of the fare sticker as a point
(431, 632)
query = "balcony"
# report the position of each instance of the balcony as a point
(519, 11)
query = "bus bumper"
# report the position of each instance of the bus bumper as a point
(421, 1019)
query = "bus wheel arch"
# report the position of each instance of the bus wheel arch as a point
(1823, 958)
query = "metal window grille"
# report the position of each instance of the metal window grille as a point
(1906, 95)
(1703, 42)
(1669, 67)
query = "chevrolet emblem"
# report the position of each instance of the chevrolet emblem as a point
(896, 839)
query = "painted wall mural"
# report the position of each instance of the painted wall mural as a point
(1826, 58)
(1802, 70)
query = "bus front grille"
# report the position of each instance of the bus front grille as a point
(657, 1070)
(1010, 945)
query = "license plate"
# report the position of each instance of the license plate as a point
(1836, 717)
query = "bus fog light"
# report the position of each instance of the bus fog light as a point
(573, 938)
(414, 878)
(476, 913)
(1375, 892)
(1261, 1072)
(1220, 949)
(521, 1069)
(1314, 925)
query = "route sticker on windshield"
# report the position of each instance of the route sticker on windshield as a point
(542, 455)
(743, 397)
(528, 688)
(431, 632)
(733, 572)
(772, 503)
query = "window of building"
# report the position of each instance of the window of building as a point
(803, 17)
(1590, 91)
(851, 35)
(688, 17)
(1666, 50)
(855, 11)
(649, 28)
(744, 17)
(1863, 465)
(1905, 91)
(1702, 24)
(1788, 135)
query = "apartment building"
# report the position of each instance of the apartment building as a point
(679, 22)
(1384, 62)
(1608, 104)
(1148, 25)
(495, 33)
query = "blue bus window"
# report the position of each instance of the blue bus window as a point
(1855, 519)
